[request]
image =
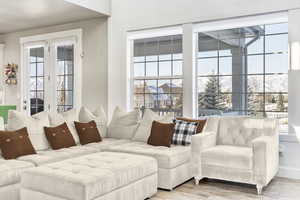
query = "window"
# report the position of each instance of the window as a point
(157, 69)
(244, 71)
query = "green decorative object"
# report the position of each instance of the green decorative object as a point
(4, 111)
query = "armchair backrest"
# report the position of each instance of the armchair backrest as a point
(211, 125)
(240, 131)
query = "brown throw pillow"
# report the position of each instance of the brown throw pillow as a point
(161, 134)
(87, 132)
(59, 137)
(14, 144)
(201, 122)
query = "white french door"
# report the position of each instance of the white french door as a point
(51, 75)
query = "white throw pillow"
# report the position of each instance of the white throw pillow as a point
(35, 126)
(144, 130)
(99, 116)
(123, 124)
(69, 117)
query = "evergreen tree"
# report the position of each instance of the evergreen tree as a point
(254, 104)
(273, 99)
(212, 99)
(280, 102)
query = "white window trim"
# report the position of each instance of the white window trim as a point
(239, 22)
(36, 40)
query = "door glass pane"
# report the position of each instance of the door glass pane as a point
(36, 80)
(65, 77)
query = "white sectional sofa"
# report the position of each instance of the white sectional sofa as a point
(174, 164)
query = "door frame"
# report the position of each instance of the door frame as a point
(49, 39)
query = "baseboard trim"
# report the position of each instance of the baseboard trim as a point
(289, 172)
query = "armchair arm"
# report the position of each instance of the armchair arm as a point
(265, 158)
(200, 142)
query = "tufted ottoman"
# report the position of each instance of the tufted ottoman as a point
(98, 176)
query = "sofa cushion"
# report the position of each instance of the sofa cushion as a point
(167, 158)
(200, 122)
(123, 124)
(34, 124)
(87, 132)
(183, 132)
(106, 143)
(98, 116)
(59, 137)
(144, 130)
(14, 144)
(161, 134)
(228, 156)
(69, 117)
(50, 156)
(89, 177)
(10, 171)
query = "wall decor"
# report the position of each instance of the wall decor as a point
(10, 72)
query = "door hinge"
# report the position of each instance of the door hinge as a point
(49, 78)
(49, 106)
(48, 49)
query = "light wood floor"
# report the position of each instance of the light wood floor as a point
(278, 189)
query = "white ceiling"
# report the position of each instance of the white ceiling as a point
(17, 15)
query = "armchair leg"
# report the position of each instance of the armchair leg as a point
(259, 189)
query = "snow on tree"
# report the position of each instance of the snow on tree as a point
(212, 98)
(255, 103)
(280, 102)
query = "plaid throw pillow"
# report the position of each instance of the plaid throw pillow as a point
(183, 132)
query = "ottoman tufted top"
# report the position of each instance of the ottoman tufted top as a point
(90, 176)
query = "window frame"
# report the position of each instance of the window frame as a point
(264, 74)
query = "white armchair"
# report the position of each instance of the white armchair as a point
(238, 149)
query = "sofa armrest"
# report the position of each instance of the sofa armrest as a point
(203, 140)
(200, 142)
(265, 158)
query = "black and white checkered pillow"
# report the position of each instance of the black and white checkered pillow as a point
(183, 132)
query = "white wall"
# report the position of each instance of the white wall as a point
(101, 6)
(129, 15)
(94, 72)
